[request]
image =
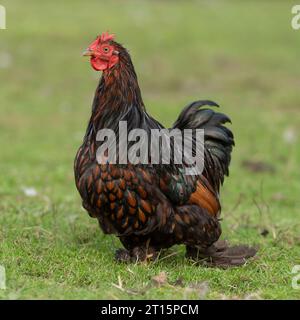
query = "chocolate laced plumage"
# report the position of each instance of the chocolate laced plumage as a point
(150, 207)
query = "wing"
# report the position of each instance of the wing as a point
(183, 189)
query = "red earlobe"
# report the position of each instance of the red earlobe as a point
(112, 61)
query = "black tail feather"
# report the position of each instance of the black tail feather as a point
(219, 140)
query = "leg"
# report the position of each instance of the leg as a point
(200, 231)
(195, 227)
(192, 226)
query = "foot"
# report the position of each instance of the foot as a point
(221, 255)
(137, 254)
(122, 255)
(143, 254)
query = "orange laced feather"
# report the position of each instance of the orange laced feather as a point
(206, 199)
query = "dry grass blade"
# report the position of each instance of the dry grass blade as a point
(120, 287)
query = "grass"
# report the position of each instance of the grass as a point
(243, 55)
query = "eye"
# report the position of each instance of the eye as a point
(105, 49)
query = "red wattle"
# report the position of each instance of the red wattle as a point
(99, 65)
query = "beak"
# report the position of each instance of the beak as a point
(88, 52)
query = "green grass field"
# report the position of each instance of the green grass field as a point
(244, 55)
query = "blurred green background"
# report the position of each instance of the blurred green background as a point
(243, 55)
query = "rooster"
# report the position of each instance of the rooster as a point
(152, 207)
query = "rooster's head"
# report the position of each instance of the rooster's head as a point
(103, 52)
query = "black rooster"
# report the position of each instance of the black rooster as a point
(151, 207)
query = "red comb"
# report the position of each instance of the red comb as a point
(105, 36)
